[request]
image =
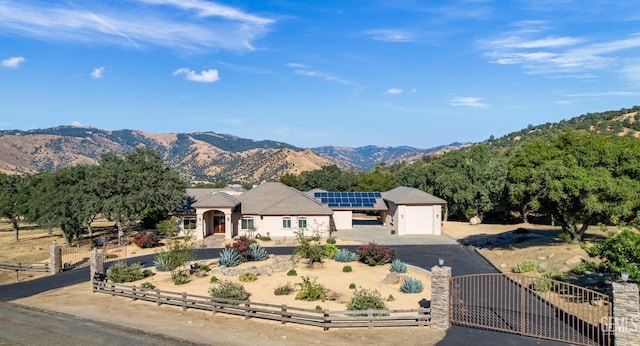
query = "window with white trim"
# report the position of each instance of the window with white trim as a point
(302, 223)
(286, 222)
(189, 223)
(247, 223)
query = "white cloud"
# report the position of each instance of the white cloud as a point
(467, 102)
(191, 25)
(558, 55)
(97, 72)
(76, 123)
(394, 91)
(205, 76)
(391, 35)
(304, 70)
(13, 62)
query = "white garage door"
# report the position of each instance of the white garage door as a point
(419, 220)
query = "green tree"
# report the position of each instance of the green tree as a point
(619, 252)
(138, 181)
(580, 179)
(471, 180)
(11, 189)
(292, 180)
(329, 178)
(377, 179)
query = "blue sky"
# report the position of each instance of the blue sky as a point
(314, 73)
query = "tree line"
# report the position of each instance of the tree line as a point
(573, 178)
(123, 189)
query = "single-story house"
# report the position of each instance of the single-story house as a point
(277, 210)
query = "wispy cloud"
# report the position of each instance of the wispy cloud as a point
(192, 25)
(391, 35)
(76, 123)
(13, 62)
(467, 102)
(539, 53)
(205, 76)
(394, 91)
(304, 70)
(97, 72)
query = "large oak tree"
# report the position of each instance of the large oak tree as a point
(580, 179)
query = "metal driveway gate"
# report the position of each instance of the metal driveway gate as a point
(530, 306)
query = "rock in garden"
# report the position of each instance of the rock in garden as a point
(475, 220)
(573, 260)
(392, 278)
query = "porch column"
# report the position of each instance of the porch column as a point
(200, 225)
(228, 225)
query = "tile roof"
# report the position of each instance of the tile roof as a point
(411, 196)
(212, 198)
(273, 198)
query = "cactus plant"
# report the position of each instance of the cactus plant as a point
(229, 258)
(397, 266)
(411, 285)
(345, 255)
(258, 253)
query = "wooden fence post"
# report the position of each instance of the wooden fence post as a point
(184, 301)
(283, 309)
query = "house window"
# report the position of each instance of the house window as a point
(302, 223)
(189, 223)
(247, 223)
(286, 222)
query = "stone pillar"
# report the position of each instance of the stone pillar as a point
(97, 263)
(440, 283)
(55, 256)
(626, 313)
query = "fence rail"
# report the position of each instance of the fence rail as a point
(282, 313)
(25, 267)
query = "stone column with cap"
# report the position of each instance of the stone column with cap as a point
(440, 283)
(626, 313)
(55, 256)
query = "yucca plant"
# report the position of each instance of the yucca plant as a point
(411, 285)
(345, 255)
(229, 258)
(258, 253)
(397, 266)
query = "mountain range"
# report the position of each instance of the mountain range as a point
(213, 157)
(198, 157)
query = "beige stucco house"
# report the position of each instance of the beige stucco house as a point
(277, 210)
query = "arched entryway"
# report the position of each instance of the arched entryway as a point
(214, 222)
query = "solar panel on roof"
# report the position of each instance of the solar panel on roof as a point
(368, 205)
(378, 194)
(333, 205)
(352, 200)
(324, 200)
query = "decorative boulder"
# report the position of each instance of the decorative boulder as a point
(475, 220)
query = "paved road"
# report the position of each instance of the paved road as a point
(463, 260)
(29, 326)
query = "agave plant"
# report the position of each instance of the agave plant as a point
(229, 258)
(411, 285)
(345, 255)
(258, 253)
(163, 263)
(397, 266)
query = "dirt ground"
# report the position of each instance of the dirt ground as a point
(498, 243)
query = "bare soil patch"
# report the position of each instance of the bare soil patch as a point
(329, 274)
